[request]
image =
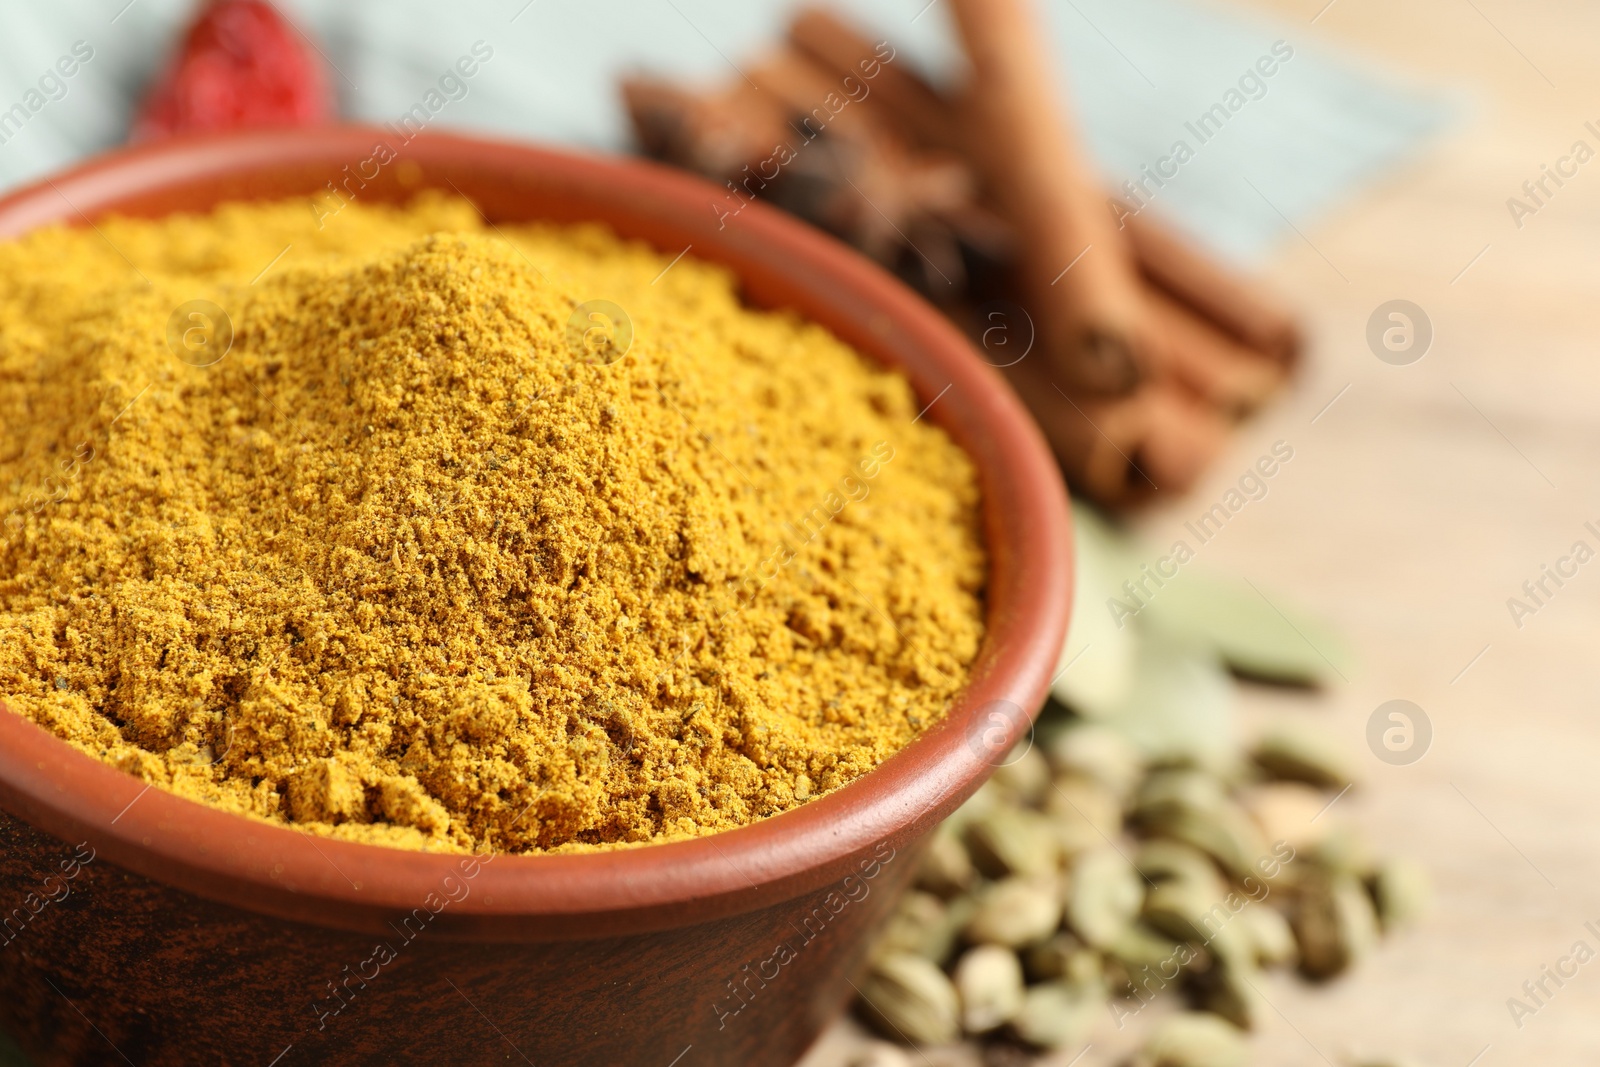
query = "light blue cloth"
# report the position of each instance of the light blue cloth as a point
(1138, 71)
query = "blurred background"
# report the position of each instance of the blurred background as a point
(1403, 154)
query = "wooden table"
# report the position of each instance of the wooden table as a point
(1416, 505)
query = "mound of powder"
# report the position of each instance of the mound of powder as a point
(418, 562)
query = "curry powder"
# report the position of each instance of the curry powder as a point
(418, 562)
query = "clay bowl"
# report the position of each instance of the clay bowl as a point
(138, 923)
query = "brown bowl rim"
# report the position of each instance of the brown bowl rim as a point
(277, 870)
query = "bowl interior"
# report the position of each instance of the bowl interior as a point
(780, 263)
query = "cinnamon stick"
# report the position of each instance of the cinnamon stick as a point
(1196, 353)
(915, 105)
(1236, 304)
(1121, 451)
(1174, 437)
(1075, 269)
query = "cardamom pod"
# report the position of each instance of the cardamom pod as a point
(1058, 1014)
(1194, 808)
(1299, 752)
(1062, 958)
(1151, 962)
(945, 869)
(1105, 896)
(1271, 935)
(1013, 841)
(988, 981)
(1162, 859)
(915, 925)
(1100, 754)
(1182, 911)
(1084, 813)
(1334, 924)
(1177, 791)
(1234, 992)
(1195, 1039)
(1344, 851)
(1015, 912)
(909, 997)
(1024, 774)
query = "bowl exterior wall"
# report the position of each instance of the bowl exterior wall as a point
(113, 962)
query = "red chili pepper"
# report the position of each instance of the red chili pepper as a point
(241, 65)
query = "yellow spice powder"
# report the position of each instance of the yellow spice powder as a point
(413, 564)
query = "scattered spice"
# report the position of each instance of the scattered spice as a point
(433, 557)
